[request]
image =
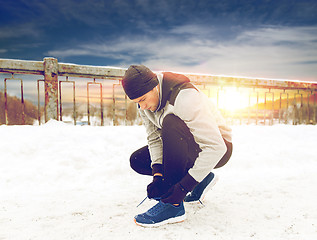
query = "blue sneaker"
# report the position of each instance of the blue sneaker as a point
(160, 214)
(202, 188)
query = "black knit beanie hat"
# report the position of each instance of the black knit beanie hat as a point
(138, 80)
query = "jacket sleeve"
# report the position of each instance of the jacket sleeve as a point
(201, 118)
(154, 139)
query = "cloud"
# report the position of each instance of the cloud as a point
(275, 34)
(19, 30)
(274, 52)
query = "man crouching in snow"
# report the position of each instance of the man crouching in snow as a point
(187, 138)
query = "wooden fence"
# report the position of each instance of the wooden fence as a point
(241, 99)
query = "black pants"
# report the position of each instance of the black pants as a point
(179, 152)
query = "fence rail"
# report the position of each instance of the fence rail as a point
(241, 99)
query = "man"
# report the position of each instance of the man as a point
(187, 138)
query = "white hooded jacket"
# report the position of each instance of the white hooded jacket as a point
(180, 97)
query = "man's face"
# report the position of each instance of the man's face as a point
(149, 101)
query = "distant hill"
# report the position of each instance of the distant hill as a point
(15, 111)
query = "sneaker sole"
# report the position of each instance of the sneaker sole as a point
(178, 219)
(210, 185)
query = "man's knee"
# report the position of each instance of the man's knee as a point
(140, 161)
(133, 161)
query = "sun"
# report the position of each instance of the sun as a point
(231, 99)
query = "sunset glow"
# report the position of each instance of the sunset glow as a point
(231, 99)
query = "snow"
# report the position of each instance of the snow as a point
(60, 181)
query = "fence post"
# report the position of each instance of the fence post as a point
(51, 88)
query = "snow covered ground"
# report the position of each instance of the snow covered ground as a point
(59, 181)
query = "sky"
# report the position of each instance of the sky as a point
(253, 38)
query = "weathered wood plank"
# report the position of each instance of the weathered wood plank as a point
(21, 66)
(89, 71)
(251, 82)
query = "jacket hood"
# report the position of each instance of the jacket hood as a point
(172, 83)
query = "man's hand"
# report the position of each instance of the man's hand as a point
(175, 194)
(157, 187)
